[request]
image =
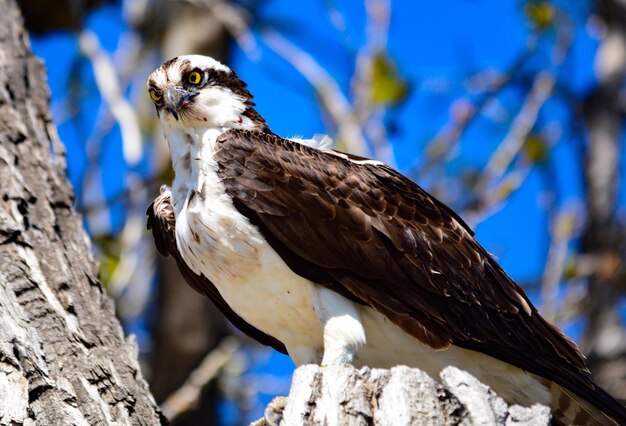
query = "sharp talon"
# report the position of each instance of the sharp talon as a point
(274, 412)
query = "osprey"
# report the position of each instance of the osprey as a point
(333, 258)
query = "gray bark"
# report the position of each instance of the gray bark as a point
(344, 395)
(63, 356)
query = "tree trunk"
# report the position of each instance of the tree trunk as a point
(604, 340)
(401, 396)
(63, 357)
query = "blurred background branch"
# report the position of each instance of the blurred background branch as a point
(330, 94)
(603, 236)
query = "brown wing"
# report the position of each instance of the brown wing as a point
(162, 223)
(384, 241)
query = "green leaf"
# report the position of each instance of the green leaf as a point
(540, 14)
(108, 264)
(388, 87)
(536, 149)
(570, 271)
(109, 259)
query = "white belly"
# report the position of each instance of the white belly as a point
(217, 241)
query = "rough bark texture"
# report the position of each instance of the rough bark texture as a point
(63, 357)
(400, 396)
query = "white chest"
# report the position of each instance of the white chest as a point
(217, 241)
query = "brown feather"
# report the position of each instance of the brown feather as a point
(378, 237)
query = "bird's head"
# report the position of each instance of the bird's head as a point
(198, 91)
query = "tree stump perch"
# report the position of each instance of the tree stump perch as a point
(343, 395)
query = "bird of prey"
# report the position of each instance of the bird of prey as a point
(333, 258)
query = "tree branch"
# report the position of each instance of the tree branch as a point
(400, 396)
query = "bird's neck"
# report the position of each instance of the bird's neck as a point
(192, 144)
(252, 120)
(192, 160)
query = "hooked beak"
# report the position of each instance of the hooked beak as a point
(175, 99)
(172, 101)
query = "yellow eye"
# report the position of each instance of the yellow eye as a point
(194, 77)
(156, 96)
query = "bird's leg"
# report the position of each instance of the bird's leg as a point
(341, 323)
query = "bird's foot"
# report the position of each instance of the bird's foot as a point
(273, 415)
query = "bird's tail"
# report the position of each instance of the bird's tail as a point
(570, 409)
